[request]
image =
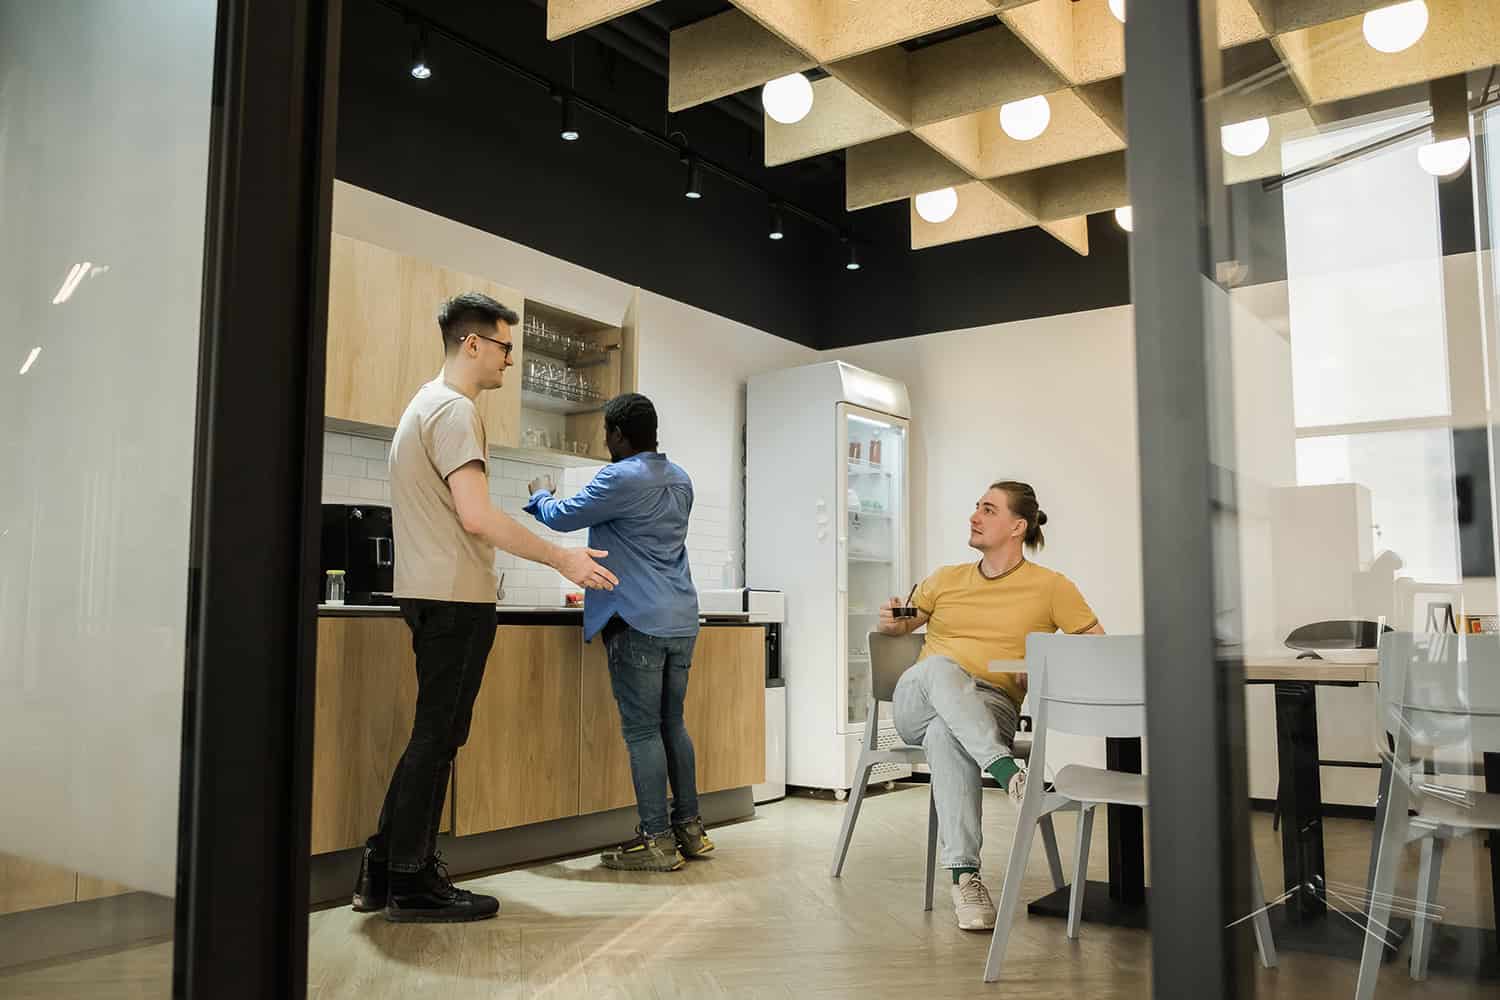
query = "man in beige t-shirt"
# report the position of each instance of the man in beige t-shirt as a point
(446, 536)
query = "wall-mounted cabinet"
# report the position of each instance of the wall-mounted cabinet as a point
(573, 366)
(384, 343)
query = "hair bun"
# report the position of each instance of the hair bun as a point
(1041, 517)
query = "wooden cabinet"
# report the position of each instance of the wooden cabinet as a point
(520, 764)
(725, 713)
(604, 783)
(726, 707)
(383, 338)
(366, 701)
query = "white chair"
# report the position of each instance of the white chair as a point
(890, 657)
(1091, 686)
(1437, 692)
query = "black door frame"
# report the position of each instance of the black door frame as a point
(244, 811)
(1195, 721)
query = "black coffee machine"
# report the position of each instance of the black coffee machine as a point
(358, 540)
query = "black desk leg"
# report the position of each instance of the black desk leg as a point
(1492, 784)
(1301, 798)
(1127, 833)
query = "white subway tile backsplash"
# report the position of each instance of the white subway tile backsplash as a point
(338, 444)
(371, 448)
(377, 469)
(344, 465)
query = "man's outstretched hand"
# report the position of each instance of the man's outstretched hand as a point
(579, 566)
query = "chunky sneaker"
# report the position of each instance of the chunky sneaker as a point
(429, 896)
(644, 854)
(372, 886)
(692, 839)
(1017, 787)
(972, 904)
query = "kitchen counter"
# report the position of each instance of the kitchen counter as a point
(510, 614)
(545, 745)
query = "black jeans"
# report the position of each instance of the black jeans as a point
(452, 642)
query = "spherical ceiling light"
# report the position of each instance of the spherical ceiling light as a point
(1397, 27)
(1125, 218)
(787, 99)
(1444, 159)
(937, 206)
(1245, 138)
(1025, 120)
(1117, 8)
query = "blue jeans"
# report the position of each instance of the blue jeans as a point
(649, 675)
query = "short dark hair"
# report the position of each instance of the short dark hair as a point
(634, 417)
(471, 312)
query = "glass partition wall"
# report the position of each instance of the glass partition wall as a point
(1314, 280)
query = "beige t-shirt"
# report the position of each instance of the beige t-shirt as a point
(436, 559)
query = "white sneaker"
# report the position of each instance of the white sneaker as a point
(1017, 787)
(972, 904)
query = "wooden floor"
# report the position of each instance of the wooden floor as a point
(763, 919)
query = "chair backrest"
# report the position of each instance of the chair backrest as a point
(1091, 685)
(1428, 607)
(1441, 690)
(890, 657)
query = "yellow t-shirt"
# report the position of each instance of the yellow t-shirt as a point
(975, 620)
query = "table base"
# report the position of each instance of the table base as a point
(1098, 907)
(1337, 934)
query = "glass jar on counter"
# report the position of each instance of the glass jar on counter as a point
(333, 588)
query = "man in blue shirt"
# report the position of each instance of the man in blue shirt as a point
(637, 508)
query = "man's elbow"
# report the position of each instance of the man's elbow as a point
(471, 520)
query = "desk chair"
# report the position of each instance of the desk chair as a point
(890, 657)
(1091, 685)
(1436, 691)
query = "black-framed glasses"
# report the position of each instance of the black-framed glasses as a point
(506, 347)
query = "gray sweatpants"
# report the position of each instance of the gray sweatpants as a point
(965, 725)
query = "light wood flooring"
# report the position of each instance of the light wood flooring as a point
(763, 919)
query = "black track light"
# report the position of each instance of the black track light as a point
(568, 130)
(777, 229)
(693, 188)
(420, 70)
(853, 263)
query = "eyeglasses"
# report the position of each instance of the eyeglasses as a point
(507, 348)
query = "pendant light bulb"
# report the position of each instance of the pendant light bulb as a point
(1025, 120)
(1444, 159)
(777, 229)
(1396, 28)
(937, 206)
(1125, 218)
(693, 186)
(853, 263)
(787, 99)
(568, 130)
(1117, 8)
(1245, 138)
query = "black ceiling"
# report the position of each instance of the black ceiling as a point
(479, 144)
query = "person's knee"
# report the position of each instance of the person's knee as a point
(641, 732)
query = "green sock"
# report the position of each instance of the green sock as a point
(1003, 770)
(959, 873)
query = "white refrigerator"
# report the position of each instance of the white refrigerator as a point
(827, 476)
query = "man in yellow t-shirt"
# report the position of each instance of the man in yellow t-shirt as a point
(950, 702)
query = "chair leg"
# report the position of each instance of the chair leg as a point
(1427, 887)
(851, 813)
(1080, 871)
(1010, 895)
(1387, 861)
(932, 844)
(1049, 844)
(1265, 943)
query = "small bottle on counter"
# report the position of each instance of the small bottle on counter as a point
(334, 590)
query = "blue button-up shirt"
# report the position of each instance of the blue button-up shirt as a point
(636, 510)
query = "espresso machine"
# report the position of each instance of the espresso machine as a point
(357, 539)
